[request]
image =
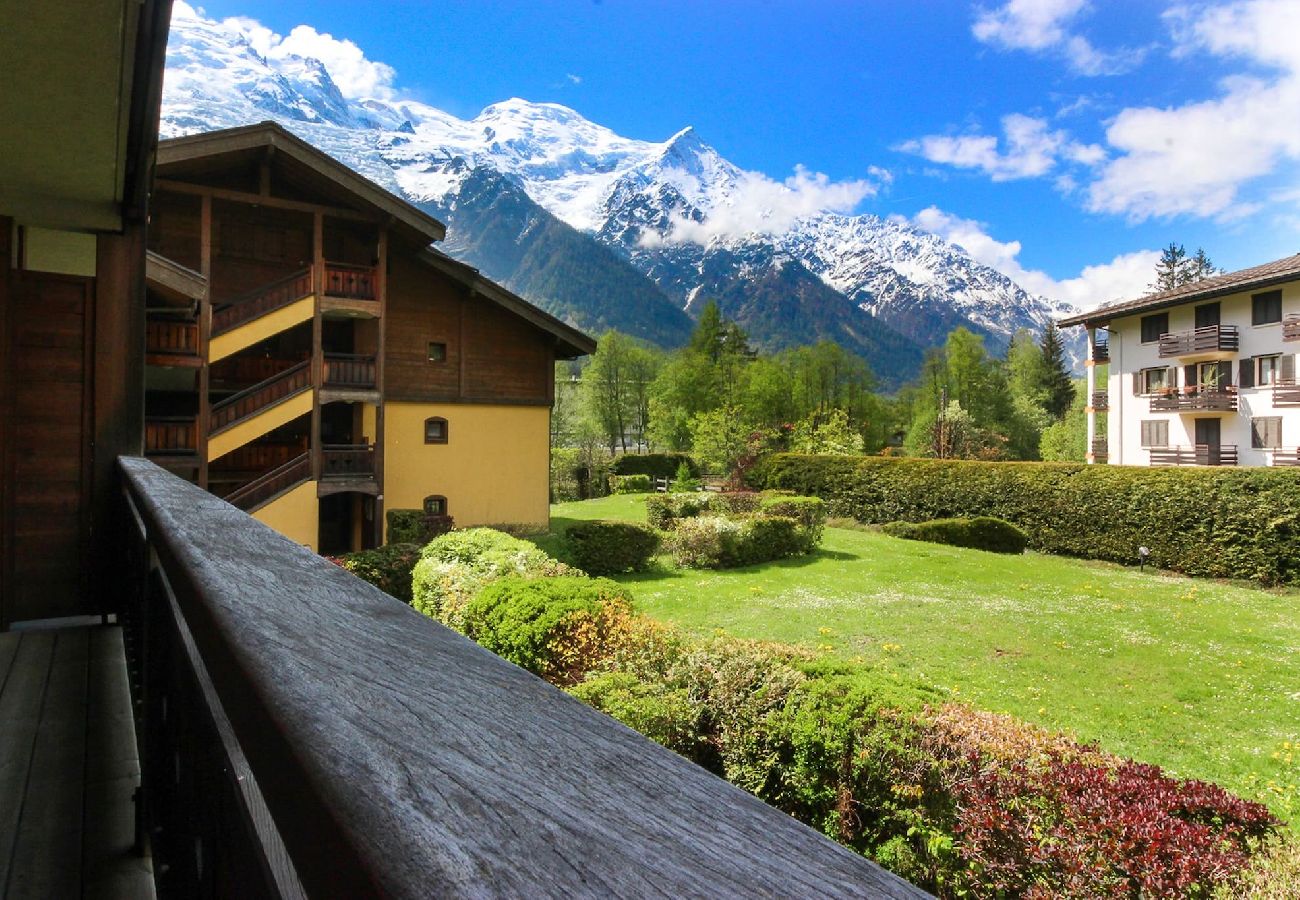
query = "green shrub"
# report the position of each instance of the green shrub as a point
(664, 714)
(731, 503)
(387, 568)
(663, 510)
(704, 542)
(1216, 522)
(685, 481)
(655, 465)
(453, 567)
(557, 627)
(980, 533)
(412, 526)
(631, 484)
(608, 548)
(766, 538)
(809, 512)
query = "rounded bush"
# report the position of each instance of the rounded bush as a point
(631, 484)
(664, 510)
(980, 533)
(609, 548)
(387, 568)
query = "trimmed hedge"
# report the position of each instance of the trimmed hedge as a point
(412, 526)
(631, 484)
(715, 542)
(980, 533)
(609, 548)
(656, 465)
(1216, 522)
(387, 568)
(662, 510)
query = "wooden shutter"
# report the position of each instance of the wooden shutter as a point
(1246, 373)
(1257, 434)
(1189, 376)
(1286, 368)
(1137, 384)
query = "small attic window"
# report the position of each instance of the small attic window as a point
(437, 351)
(435, 430)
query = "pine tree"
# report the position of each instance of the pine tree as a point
(1199, 267)
(1169, 270)
(1058, 386)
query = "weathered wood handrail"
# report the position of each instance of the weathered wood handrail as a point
(352, 370)
(351, 282)
(265, 486)
(1286, 395)
(259, 456)
(267, 298)
(253, 399)
(347, 460)
(1206, 339)
(1202, 399)
(1100, 448)
(395, 758)
(1198, 455)
(1286, 457)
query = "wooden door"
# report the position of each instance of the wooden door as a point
(1207, 441)
(46, 449)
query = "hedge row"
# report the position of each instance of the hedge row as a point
(656, 465)
(610, 548)
(1217, 522)
(979, 533)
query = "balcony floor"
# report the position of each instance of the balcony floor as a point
(68, 766)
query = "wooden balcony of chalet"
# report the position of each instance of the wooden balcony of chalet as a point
(1198, 455)
(1196, 399)
(1099, 400)
(1101, 349)
(1285, 457)
(1291, 328)
(347, 467)
(1286, 394)
(304, 734)
(1208, 339)
(171, 341)
(1100, 449)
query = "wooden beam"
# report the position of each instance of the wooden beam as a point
(6, 426)
(204, 421)
(264, 172)
(381, 292)
(199, 190)
(317, 348)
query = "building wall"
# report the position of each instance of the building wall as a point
(296, 515)
(493, 470)
(1128, 355)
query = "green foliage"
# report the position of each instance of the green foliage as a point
(580, 473)
(412, 526)
(720, 437)
(979, 533)
(656, 465)
(615, 389)
(1175, 268)
(828, 433)
(453, 567)
(663, 510)
(608, 548)
(665, 715)
(809, 512)
(1226, 523)
(719, 542)
(1067, 440)
(631, 484)
(684, 481)
(387, 568)
(556, 627)
(1058, 384)
(734, 503)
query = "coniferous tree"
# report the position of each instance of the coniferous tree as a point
(1170, 267)
(1058, 384)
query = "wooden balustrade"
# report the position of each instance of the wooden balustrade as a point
(303, 734)
(1101, 349)
(1204, 399)
(351, 282)
(170, 434)
(1199, 455)
(1286, 457)
(1286, 395)
(245, 370)
(347, 461)
(1100, 448)
(1208, 339)
(1291, 328)
(267, 485)
(268, 298)
(350, 370)
(171, 337)
(260, 456)
(252, 400)
(1100, 401)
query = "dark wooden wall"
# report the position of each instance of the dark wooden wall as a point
(493, 356)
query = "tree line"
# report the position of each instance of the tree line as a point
(721, 400)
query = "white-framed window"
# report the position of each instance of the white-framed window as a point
(1213, 375)
(1155, 433)
(1266, 370)
(1158, 380)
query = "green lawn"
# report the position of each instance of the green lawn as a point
(1200, 677)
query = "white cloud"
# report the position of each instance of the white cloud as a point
(357, 76)
(573, 79)
(1041, 26)
(1125, 276)
(759, 204)
(1030, 149)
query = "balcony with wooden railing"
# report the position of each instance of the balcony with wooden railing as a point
(230, 314)
(171, 342)
(1291, 328)
(350, 371)
(351, 282)
(1198, 455)
(1282, 457)
(1286, 395)
(1208, 339)
(170, 435)
(1101, 349)
(1199, 399)
(1100, 449)
(303, 734)
(347, 462)
(268, 486)
(262, 395)
(259, 456)
(1099, 400)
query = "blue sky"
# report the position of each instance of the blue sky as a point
(1062, 141)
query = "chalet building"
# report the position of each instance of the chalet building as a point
(194, 705)
(313, 361)
(1204, 374)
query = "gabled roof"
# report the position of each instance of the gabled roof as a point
(248, 140)
(1267, 275)
(570, 342)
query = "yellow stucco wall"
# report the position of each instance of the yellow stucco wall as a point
(261, 328)
(296, 515)
(494, 468)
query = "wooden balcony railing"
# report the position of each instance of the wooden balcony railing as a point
(171, 337)
(265, 486)
(1209, 339)
(305, 734)
(1100, 449)
(170, 434)
(266, 393)
(1205, 399)
(1291, 328)
(347, 461)
(1286, 457)
(1199, 455)
(1100, 400)
(349, 370)
(351, 282)
(260, 456)
(1286, 395)
(241, 369)
(1101, 349)
(268, 298)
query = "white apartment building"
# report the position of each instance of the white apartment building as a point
(1204, 374)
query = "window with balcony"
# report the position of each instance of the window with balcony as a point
(1155, 433)
(1266, 308)
(1155, 381)
(1266, 432)
(1154, 326)
(435, 430)
(1213, 375)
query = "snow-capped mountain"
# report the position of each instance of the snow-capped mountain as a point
(581, 219)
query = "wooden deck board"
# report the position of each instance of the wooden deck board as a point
(20, 712)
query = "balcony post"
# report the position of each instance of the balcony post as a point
(317, 352)
(203, 421)
(381, 294)
(1090, 412)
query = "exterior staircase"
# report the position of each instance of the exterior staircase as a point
(259, 314)
(256, 410)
